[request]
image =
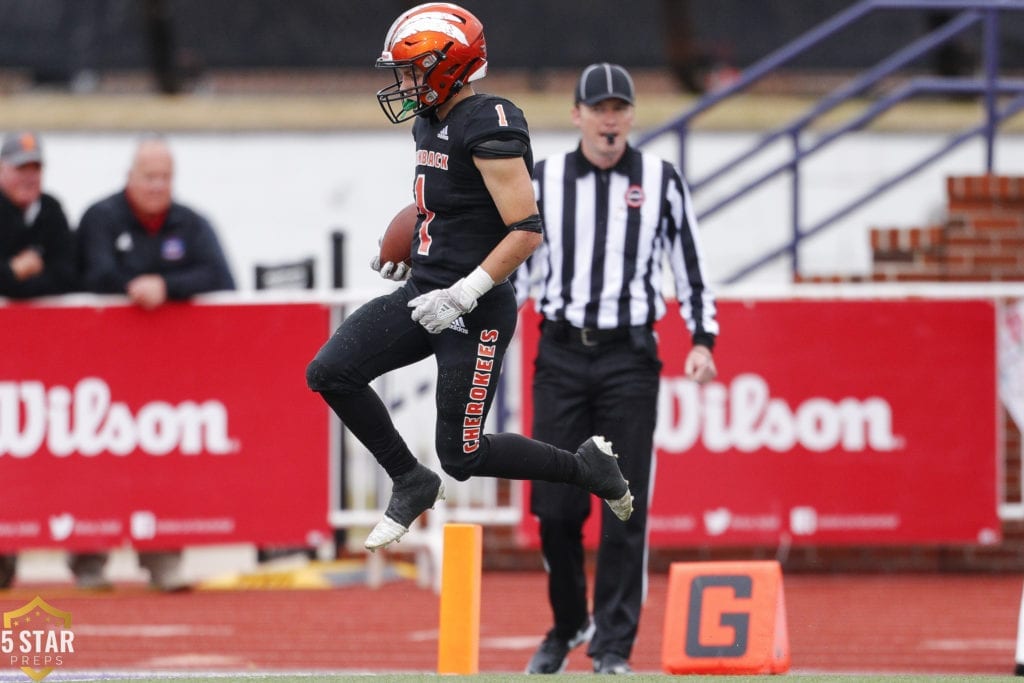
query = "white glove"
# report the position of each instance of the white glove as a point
(389, 270)
(438, 309)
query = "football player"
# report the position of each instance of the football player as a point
(478, 221)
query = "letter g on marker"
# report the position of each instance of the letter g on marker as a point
(739, 622)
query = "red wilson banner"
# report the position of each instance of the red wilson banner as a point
(186, 425)
(832, 422)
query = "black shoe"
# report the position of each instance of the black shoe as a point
(412, 494)
(611, 663)
(88, 570)
(599, 473)
(8, 566)
(553, 654)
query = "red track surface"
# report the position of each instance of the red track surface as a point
(878, 623)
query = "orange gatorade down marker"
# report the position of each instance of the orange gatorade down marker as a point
(458, 645)
(725, 618)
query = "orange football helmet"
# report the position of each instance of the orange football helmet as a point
(438, 47)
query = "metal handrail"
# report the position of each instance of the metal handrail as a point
(988, 87)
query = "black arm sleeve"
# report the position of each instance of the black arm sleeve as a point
(500, 149)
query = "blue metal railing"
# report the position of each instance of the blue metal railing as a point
(990, 87)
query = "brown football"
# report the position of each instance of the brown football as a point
(396, 245)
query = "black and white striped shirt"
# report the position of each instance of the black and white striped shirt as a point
(606, 237)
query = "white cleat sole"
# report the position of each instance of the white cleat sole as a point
(384, 534)
(389, 531)
(622, 507)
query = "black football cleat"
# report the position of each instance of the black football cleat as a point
(611, 663)
(553, 654)
(412, 494)
(599, 473)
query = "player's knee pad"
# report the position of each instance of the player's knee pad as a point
(316, 375)
(322, 376)
(457, 471)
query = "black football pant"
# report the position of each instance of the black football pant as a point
(612, 390)
(381, 336)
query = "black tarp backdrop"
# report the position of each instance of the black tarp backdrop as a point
(55, 40)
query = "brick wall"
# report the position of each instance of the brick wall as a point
(982, 240)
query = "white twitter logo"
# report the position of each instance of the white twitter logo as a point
(717, 521)
(61, 526)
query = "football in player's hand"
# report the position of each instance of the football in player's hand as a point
(396, 244)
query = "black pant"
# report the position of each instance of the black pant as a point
(380, 336)
(610, 389)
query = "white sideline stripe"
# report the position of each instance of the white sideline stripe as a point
(968, 644)
(194, 660)
(510, 643)
(151, 630)
(497, 643)
(427, 634)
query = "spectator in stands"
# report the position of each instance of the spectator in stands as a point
(37, 246)
(142, 243)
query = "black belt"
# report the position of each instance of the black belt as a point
(586, 336)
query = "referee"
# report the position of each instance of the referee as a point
(613, 217)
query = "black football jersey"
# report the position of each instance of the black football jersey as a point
(461, 224)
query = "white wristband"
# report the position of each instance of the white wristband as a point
(478, 282)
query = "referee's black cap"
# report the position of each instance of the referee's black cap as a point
(604, 81)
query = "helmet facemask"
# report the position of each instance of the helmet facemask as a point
(402, 103)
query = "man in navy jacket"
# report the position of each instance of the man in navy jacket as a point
(142, 243)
